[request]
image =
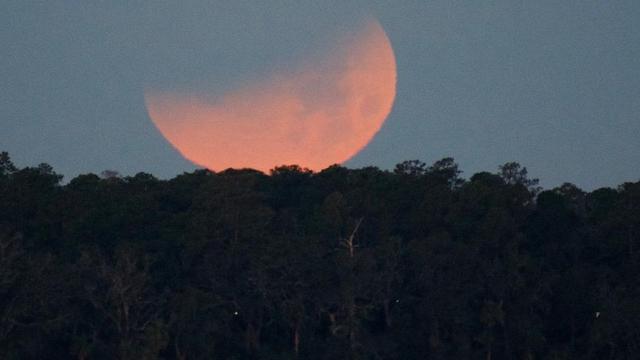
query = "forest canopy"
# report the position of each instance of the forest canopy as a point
(414, 263)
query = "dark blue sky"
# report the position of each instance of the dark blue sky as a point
(554, 85)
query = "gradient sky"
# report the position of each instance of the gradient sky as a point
(554, 85)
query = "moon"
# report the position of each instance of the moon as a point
(315, 115)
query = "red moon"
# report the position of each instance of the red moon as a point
(321, 114)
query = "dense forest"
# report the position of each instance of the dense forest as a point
(414, 263)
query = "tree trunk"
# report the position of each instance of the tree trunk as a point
(352, 329)
(507, 340)
(252, 338)
(296, 339)
(179, 354)
(387, 313)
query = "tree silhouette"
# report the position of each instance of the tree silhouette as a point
(366, 263)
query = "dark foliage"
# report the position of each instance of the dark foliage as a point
(417, 263)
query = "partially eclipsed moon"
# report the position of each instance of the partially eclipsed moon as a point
(321, 114)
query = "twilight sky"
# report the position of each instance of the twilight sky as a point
(554, 85)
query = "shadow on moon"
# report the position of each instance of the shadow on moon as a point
(322, 113)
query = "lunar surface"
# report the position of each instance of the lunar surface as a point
(320, 113)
